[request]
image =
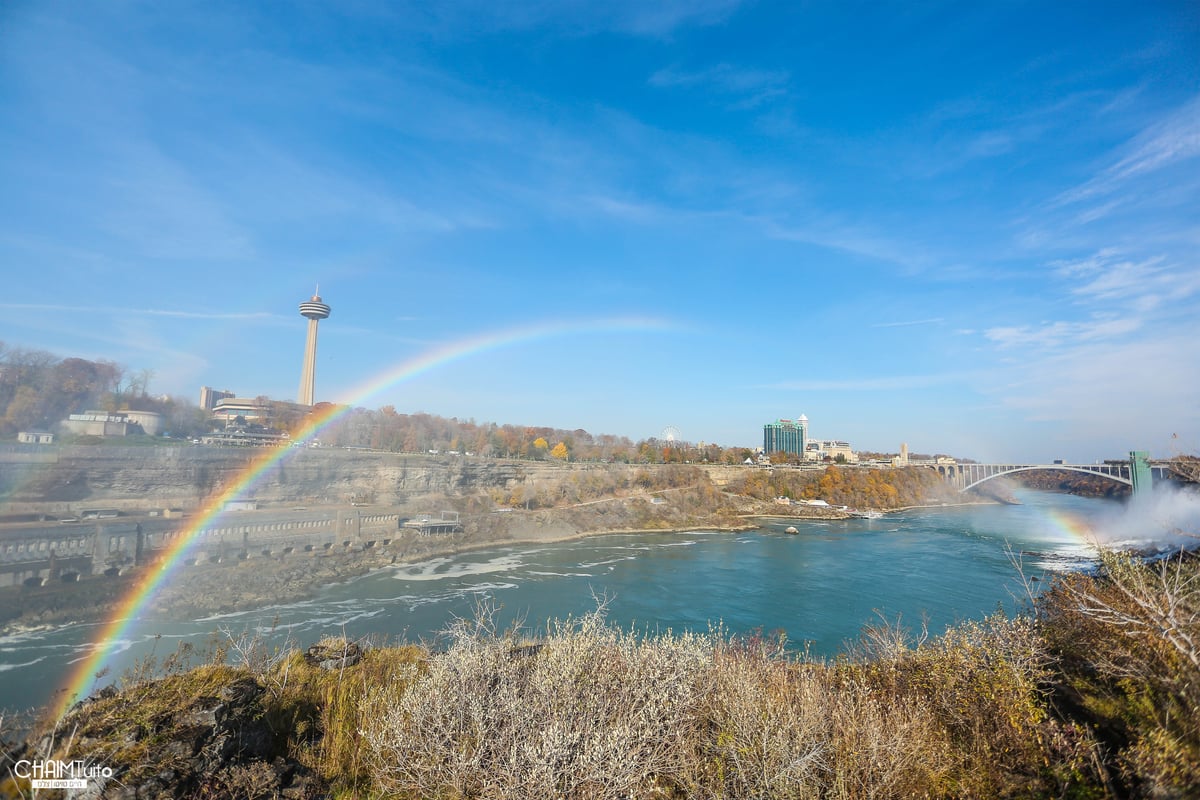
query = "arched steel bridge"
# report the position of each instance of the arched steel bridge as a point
(968, 476)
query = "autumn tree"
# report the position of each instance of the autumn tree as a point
(39, 389)
(24, 410)
(186, 420)
(560, 451)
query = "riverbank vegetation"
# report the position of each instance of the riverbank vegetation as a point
(857, 488)
(1093, 692)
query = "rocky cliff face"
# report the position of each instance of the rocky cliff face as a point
(180, 477)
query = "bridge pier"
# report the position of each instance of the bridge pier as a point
(1140, 473)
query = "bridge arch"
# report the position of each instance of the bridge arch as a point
(1047, 468)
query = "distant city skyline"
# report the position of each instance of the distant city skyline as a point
(968, 228)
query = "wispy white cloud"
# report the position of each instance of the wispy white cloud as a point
(880, 384)
(1053, 334)
(955, 151)
(931, 321)
(161, 208)
(661, 18)
(630, 210)
(568, 17)
(964, 131)
(1169, 141)
(751, 86)
(152, 312)
(826, 231)
(1147, 382)
(289, 188)
(1144, 284)
(1089, 215)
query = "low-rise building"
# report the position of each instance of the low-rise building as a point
(240, 438)
(820, 449)
(250, 409)
(114, 423)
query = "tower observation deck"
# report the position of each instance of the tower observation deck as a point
(314, 311)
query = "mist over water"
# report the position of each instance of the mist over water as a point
(1168, 516)
(820, 586)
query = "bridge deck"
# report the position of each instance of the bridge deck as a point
(968, 476)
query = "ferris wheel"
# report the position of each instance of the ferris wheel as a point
(670, 434)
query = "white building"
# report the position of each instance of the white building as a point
(114, 423)
(819, 449)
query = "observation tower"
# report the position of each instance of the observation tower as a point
(314, 311)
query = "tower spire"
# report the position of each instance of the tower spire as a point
(314, 311)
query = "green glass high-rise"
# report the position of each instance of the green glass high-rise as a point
(786, 436)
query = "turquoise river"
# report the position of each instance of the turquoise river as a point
(820, 586)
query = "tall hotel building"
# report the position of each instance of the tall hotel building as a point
(785, 435)
(209, 397)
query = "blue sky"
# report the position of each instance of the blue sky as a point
(974, 228)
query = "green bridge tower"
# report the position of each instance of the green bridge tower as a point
(1139, 471)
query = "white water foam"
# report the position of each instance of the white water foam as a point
(32, 633)
(361, 615)
(603, 563)
(487, 587)
(7, 667)
(437, 569)
(113, 647)
(305, 624)
(1062, 562)
(298, 605)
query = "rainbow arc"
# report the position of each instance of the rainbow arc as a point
(125, 615)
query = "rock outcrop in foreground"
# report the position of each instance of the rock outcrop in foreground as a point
(203, 734)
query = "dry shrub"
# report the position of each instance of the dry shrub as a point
(765, 729)
(1129, 645)
(885, 747)
(594, 712)
(979, 692)
(591, 712)
(983, 683)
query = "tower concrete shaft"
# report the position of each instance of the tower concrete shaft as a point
(315, 311)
